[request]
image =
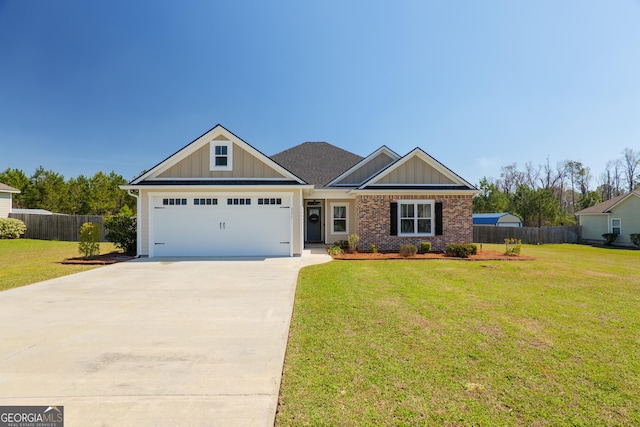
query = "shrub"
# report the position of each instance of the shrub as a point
(425, 247)
(342, 244)
(122, 232)
(407, 250)
(335, 250)
(609, 238)
(354, 239)
(461, 250)
(89, 246)
(635, 239)
(11, 228)
(373, 248)
(513, 247)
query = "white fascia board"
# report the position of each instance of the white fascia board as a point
(191, 188)
(329, 193)
(207, 137)
(427, 159)
(622, 200)
(367, 192)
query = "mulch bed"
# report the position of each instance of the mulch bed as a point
(102, 259)
(483, 255)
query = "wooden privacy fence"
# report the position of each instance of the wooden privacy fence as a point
(57, 226)
(528, 235)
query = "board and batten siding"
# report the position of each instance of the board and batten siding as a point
(415, 171)
(366, 171)
(196, 165)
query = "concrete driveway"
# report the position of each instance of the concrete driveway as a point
(197, 342)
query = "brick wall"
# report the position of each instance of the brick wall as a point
(373, 221)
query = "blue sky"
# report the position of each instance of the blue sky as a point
(120, 85)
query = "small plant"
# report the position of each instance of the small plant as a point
(635, 239)
(461, 250)
(354, 239)
(609, 238)
(513, 247)
(342, 244)
(373, 248)
(11, 228)
(425, 247)
(89, 246)
(407, 250)
(335, 250)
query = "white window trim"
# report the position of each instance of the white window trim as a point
(416, 202)
(619, 225)
(346, 218)
(212, 155)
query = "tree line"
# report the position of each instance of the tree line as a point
(46, 189)
(546, 195)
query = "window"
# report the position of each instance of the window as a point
(269, 201)
(415, 217)
(173, 202)
(616, 226)
(238, 201)
(203, 202)
(339, 218)
(221, 155)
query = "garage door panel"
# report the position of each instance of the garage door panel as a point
(250, 229)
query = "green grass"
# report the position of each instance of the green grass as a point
(550, 342)
(26, 261)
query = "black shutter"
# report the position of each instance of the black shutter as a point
(393, 214)
(438, 218)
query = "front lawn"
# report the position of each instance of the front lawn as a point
(26, 261)
(550, 342)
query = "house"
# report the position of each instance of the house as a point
(220, 196)
(619, 215)
(6, 202)
(503, 219)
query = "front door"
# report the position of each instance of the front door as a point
(314, 224)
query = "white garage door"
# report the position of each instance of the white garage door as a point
(214, 225)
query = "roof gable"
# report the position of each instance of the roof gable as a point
(316, 162)
(606, 206)
(4, 188)
(417, 169)
(192, 162)
(366, 168)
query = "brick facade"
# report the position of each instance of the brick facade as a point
(373, 221)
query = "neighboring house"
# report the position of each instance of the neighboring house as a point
(219, 196)
(619, 215)
(503, 219)
(6, 202)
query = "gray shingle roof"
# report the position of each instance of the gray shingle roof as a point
(606, 205)
(6, 188)
(316, 162)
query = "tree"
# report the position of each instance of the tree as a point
(490, 199)
(631, 161)
(536, 207)
(17, 179)
(48, 190)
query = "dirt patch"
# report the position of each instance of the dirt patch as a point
(483, 255)
(102, 259)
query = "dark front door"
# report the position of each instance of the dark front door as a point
(314, 224)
